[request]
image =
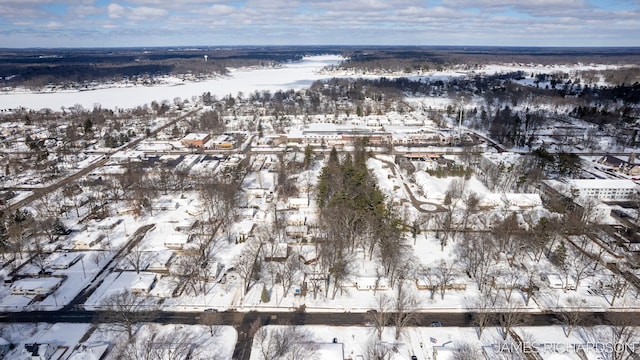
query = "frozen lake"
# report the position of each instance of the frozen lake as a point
(291, 76)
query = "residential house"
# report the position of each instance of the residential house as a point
(40, 351)
(371, 283)
(620, 165)
(35, 286)
(87, 240)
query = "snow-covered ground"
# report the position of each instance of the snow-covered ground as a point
(443, 343)
(86, 342)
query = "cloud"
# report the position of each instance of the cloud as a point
(465, 22)
(134, 13)
(219, 10)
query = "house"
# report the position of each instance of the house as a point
(554, 281)
(160, 261)
(242, 229)
(142, 283)
(186, 225)
(278, 253)
(196, 140)
(176, 241)
(298, 203)
(164, 204)
(86, 240)
(246, 213)
(127, 156)
(517, 200)
(35, 286)
(296, 231)
(296, 219)
(108, 224)
(94, 351)
(371, 283)
(64, 261)
(620, 165)
(40, 351)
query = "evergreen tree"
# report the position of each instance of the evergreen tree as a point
(265, 297)
(559, 256)
(308, 156)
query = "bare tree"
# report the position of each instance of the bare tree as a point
(477, 255)
(503, 232)
(377, 350)
(211, 319)
(508, 317)
(445, 273)
(572, 315)
(467, 351)
(471, 202)
(406, 303)
(618, 287)
(288, 271)
(381, 315)
(622, 336)
(123, 310)
(580, 268)
(247, 264)
(155, 344)
(138, 257)
(482, 314)
(285, 342)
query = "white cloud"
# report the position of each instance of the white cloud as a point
(218, 10)
(117, 11)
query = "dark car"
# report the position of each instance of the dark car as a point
(413, 357)
(436, 324)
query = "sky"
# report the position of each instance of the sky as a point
(120, 23)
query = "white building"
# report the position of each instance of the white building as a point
(605, 189)
(333, 134)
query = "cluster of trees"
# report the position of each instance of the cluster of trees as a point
(354, 216)
(77, 67)
(285, 342)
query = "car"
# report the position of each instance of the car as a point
(210, 310)
(436, 324)
(413, 357)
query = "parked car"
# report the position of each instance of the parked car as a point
(436, 324)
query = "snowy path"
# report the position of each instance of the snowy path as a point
(418, 204)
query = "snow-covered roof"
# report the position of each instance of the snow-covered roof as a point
(36, 283)
(603, 183)
(196, 137)
(242, 227)
(330, 351)
(504, 157)
(89, 352)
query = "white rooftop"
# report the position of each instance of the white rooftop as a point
(195, 136)
(603, 183)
